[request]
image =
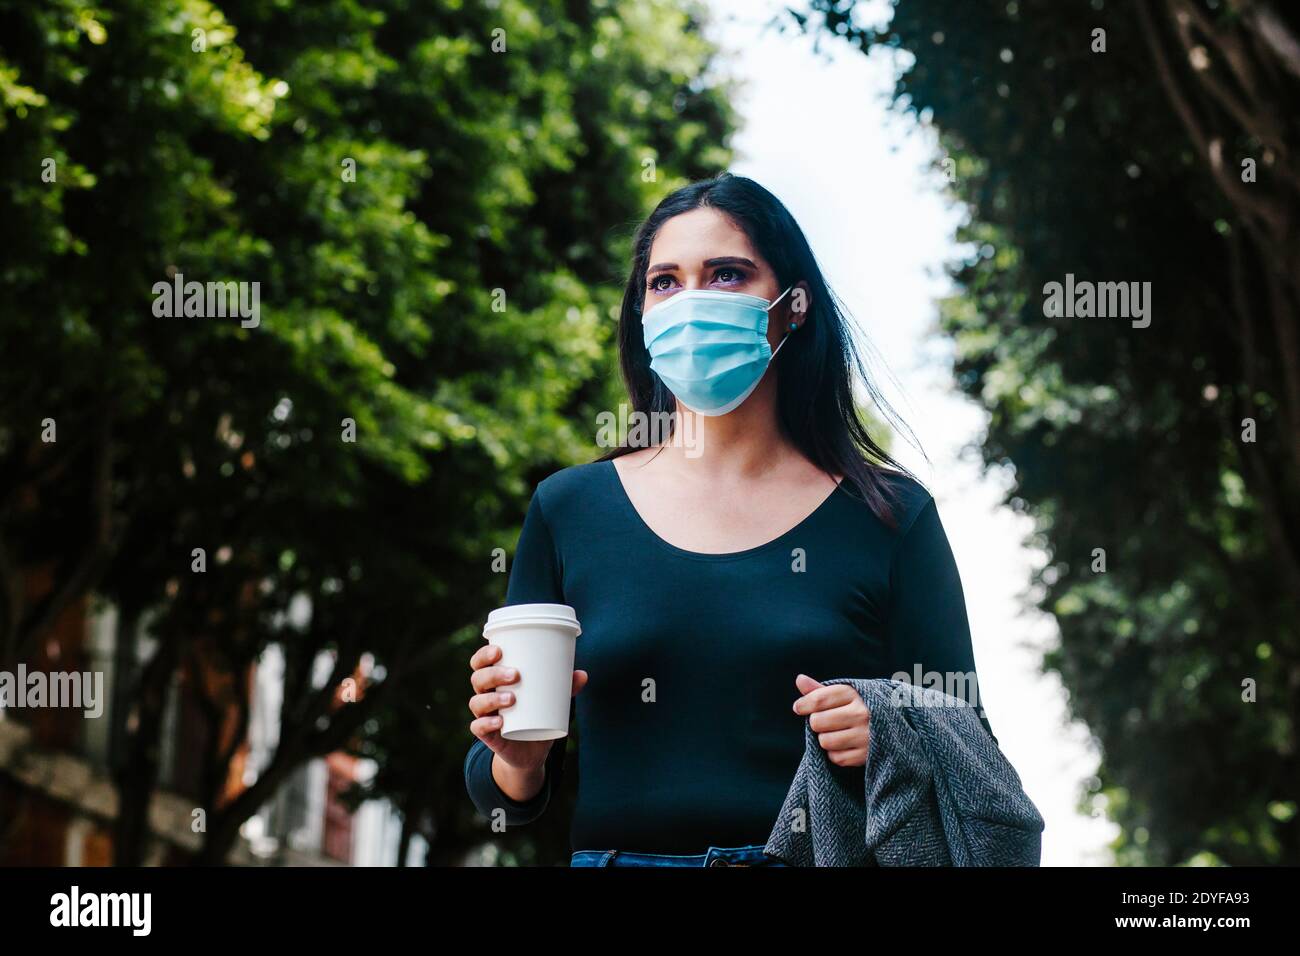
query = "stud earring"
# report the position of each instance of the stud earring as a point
(793, 326)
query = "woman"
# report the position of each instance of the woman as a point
(714, 578)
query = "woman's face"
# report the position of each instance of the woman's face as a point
(704, 249)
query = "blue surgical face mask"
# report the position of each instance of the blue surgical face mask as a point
(710, 347)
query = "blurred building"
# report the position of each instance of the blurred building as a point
(57, 797)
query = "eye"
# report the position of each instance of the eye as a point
(655, 285)
(729, 275)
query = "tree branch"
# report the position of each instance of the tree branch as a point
(1261, 124)
(1209, 147)
(1277, 36)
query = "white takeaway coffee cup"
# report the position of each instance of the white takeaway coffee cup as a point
(540, 642)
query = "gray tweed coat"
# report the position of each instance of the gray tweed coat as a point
(936, 791)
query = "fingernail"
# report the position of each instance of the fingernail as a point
(503, 698)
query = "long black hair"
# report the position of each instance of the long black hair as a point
(815, 403)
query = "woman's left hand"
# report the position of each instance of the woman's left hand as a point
(840, 718)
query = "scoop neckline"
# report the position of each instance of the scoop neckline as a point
(630, 508)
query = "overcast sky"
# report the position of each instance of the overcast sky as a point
(818, 133)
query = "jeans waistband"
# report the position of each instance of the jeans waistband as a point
(750, 855)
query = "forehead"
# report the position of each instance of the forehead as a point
(704, 233)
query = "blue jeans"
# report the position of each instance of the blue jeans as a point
(751, 855)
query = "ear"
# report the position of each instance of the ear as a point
(799, 306)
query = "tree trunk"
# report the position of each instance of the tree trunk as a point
(137, 775)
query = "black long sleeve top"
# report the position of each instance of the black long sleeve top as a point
(685, 734)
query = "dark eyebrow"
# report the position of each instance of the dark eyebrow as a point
(720, 261)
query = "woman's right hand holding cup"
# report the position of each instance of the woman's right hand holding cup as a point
(490, 680)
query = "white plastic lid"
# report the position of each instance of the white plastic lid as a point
(515, 614)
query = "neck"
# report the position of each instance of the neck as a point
(745, 443)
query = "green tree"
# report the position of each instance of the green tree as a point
(425, 193)
(1111, 141)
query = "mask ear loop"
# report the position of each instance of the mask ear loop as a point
(770, 306)
(778, 347)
